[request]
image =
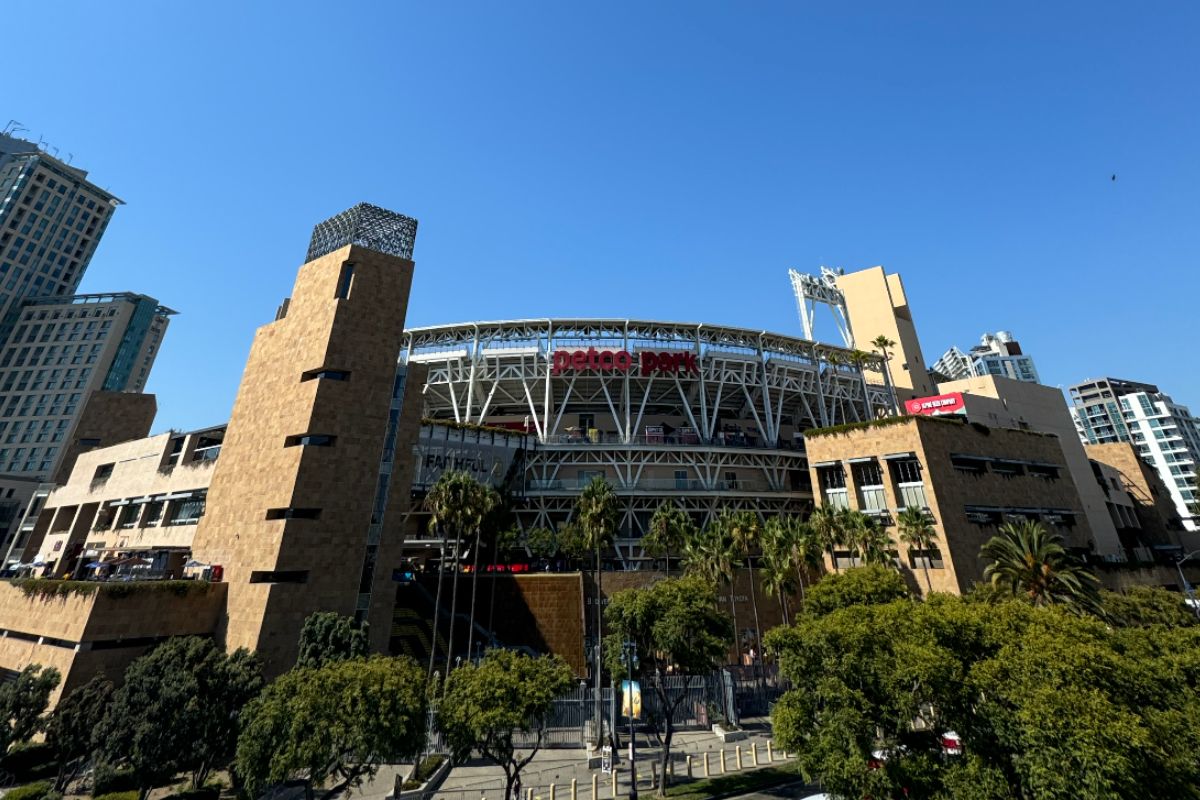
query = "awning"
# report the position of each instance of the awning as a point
(175, 496)
(825, 464)
(860, 459)
(894, 456)
(112, 503)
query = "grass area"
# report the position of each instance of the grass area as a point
(736, 783)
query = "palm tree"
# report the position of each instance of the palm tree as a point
(916, 531)
(745, 530)
(866, 538)
(597, 512)
(1029, 562)
(778, 561)
(860, 359)
(883, 343)
(457, 504)
(827, 525)
(711, 555)
(670, 528)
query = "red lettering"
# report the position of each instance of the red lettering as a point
(579, 360)
(606, 361)
(593, 361)
(623, 361)
(689, 362)
(649, 363)
(562, 360)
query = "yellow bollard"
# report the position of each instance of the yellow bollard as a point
(737, 752)
(770, 755)
(574, 789)
(614, 783)
(529, 794)
(552, 791)
(706, 772)
(595, 786)
(753, 755)
(724, 769)
(689, 763)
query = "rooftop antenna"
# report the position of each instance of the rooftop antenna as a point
(811, 290)
(70, 156)
(13, 126)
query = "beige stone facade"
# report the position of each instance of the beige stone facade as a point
(1008, 403)
(970, 477)
(296, 517)
(878, 306)
(1158, 521)
(145, 496)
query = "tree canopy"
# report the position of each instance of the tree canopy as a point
(488, 705)
(1029, 562)
(333, 725)
(328, 636)
(1047, 704)
(178, 710)
(677, 629)
(868, 585)
(69, 728)
(22, 703)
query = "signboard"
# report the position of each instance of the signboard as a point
(939, 404)
(485, 455)
(593, 360)
(631, 692)
(606, 760)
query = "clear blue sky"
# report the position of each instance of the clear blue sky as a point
(667, 160)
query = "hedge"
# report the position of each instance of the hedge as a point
(48, 587)
(133, 795)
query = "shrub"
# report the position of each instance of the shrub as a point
(29, 761)
(131, 795)
(108, 781)
(427, 767)
(47, 587)
(30, 791)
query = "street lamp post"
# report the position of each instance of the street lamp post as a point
(630, 649)
(1187, 587)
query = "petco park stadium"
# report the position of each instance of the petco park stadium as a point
(707, 416)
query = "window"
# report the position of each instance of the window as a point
(103, 472)
(187, 512)
(310, 440)
(345, 281)
(279, 576)
(971, 465)
(325, 374)
(293, 513)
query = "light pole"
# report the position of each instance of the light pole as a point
(630, 649)
(1187, 587)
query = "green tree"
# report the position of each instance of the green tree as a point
(779, 570)
(883, 343)
(1144, 606)
(670, 529)
(916, 531)
(328, 636)
(597, 515)
(1047, 704)
(542, 542)
(867, 539)
(745, 531)
(333, 725)
(867, 585)
(70, 726)
(457, 505)
(22, 703)
(860, 359)
(1029, 562)
(711, 555)
(487, 705)
(178, 710)
(828, 525)
(676, 628)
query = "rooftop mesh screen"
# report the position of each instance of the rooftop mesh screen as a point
(367, 226)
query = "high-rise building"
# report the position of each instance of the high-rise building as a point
(997, 354)
(61, 352)
(51, 219)
(1165, 433)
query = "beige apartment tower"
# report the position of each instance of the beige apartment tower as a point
(304, 485)
(877, 305)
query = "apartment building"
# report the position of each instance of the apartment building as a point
(997, 354)
(1165, 433)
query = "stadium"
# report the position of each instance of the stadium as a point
(709, 417)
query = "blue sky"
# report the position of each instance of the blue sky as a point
(663, 160)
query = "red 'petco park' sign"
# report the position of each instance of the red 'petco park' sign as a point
(622, 361)
(939, 404)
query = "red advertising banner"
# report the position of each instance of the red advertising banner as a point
(938, 404)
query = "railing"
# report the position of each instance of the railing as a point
(675, 439)
(659, 484)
